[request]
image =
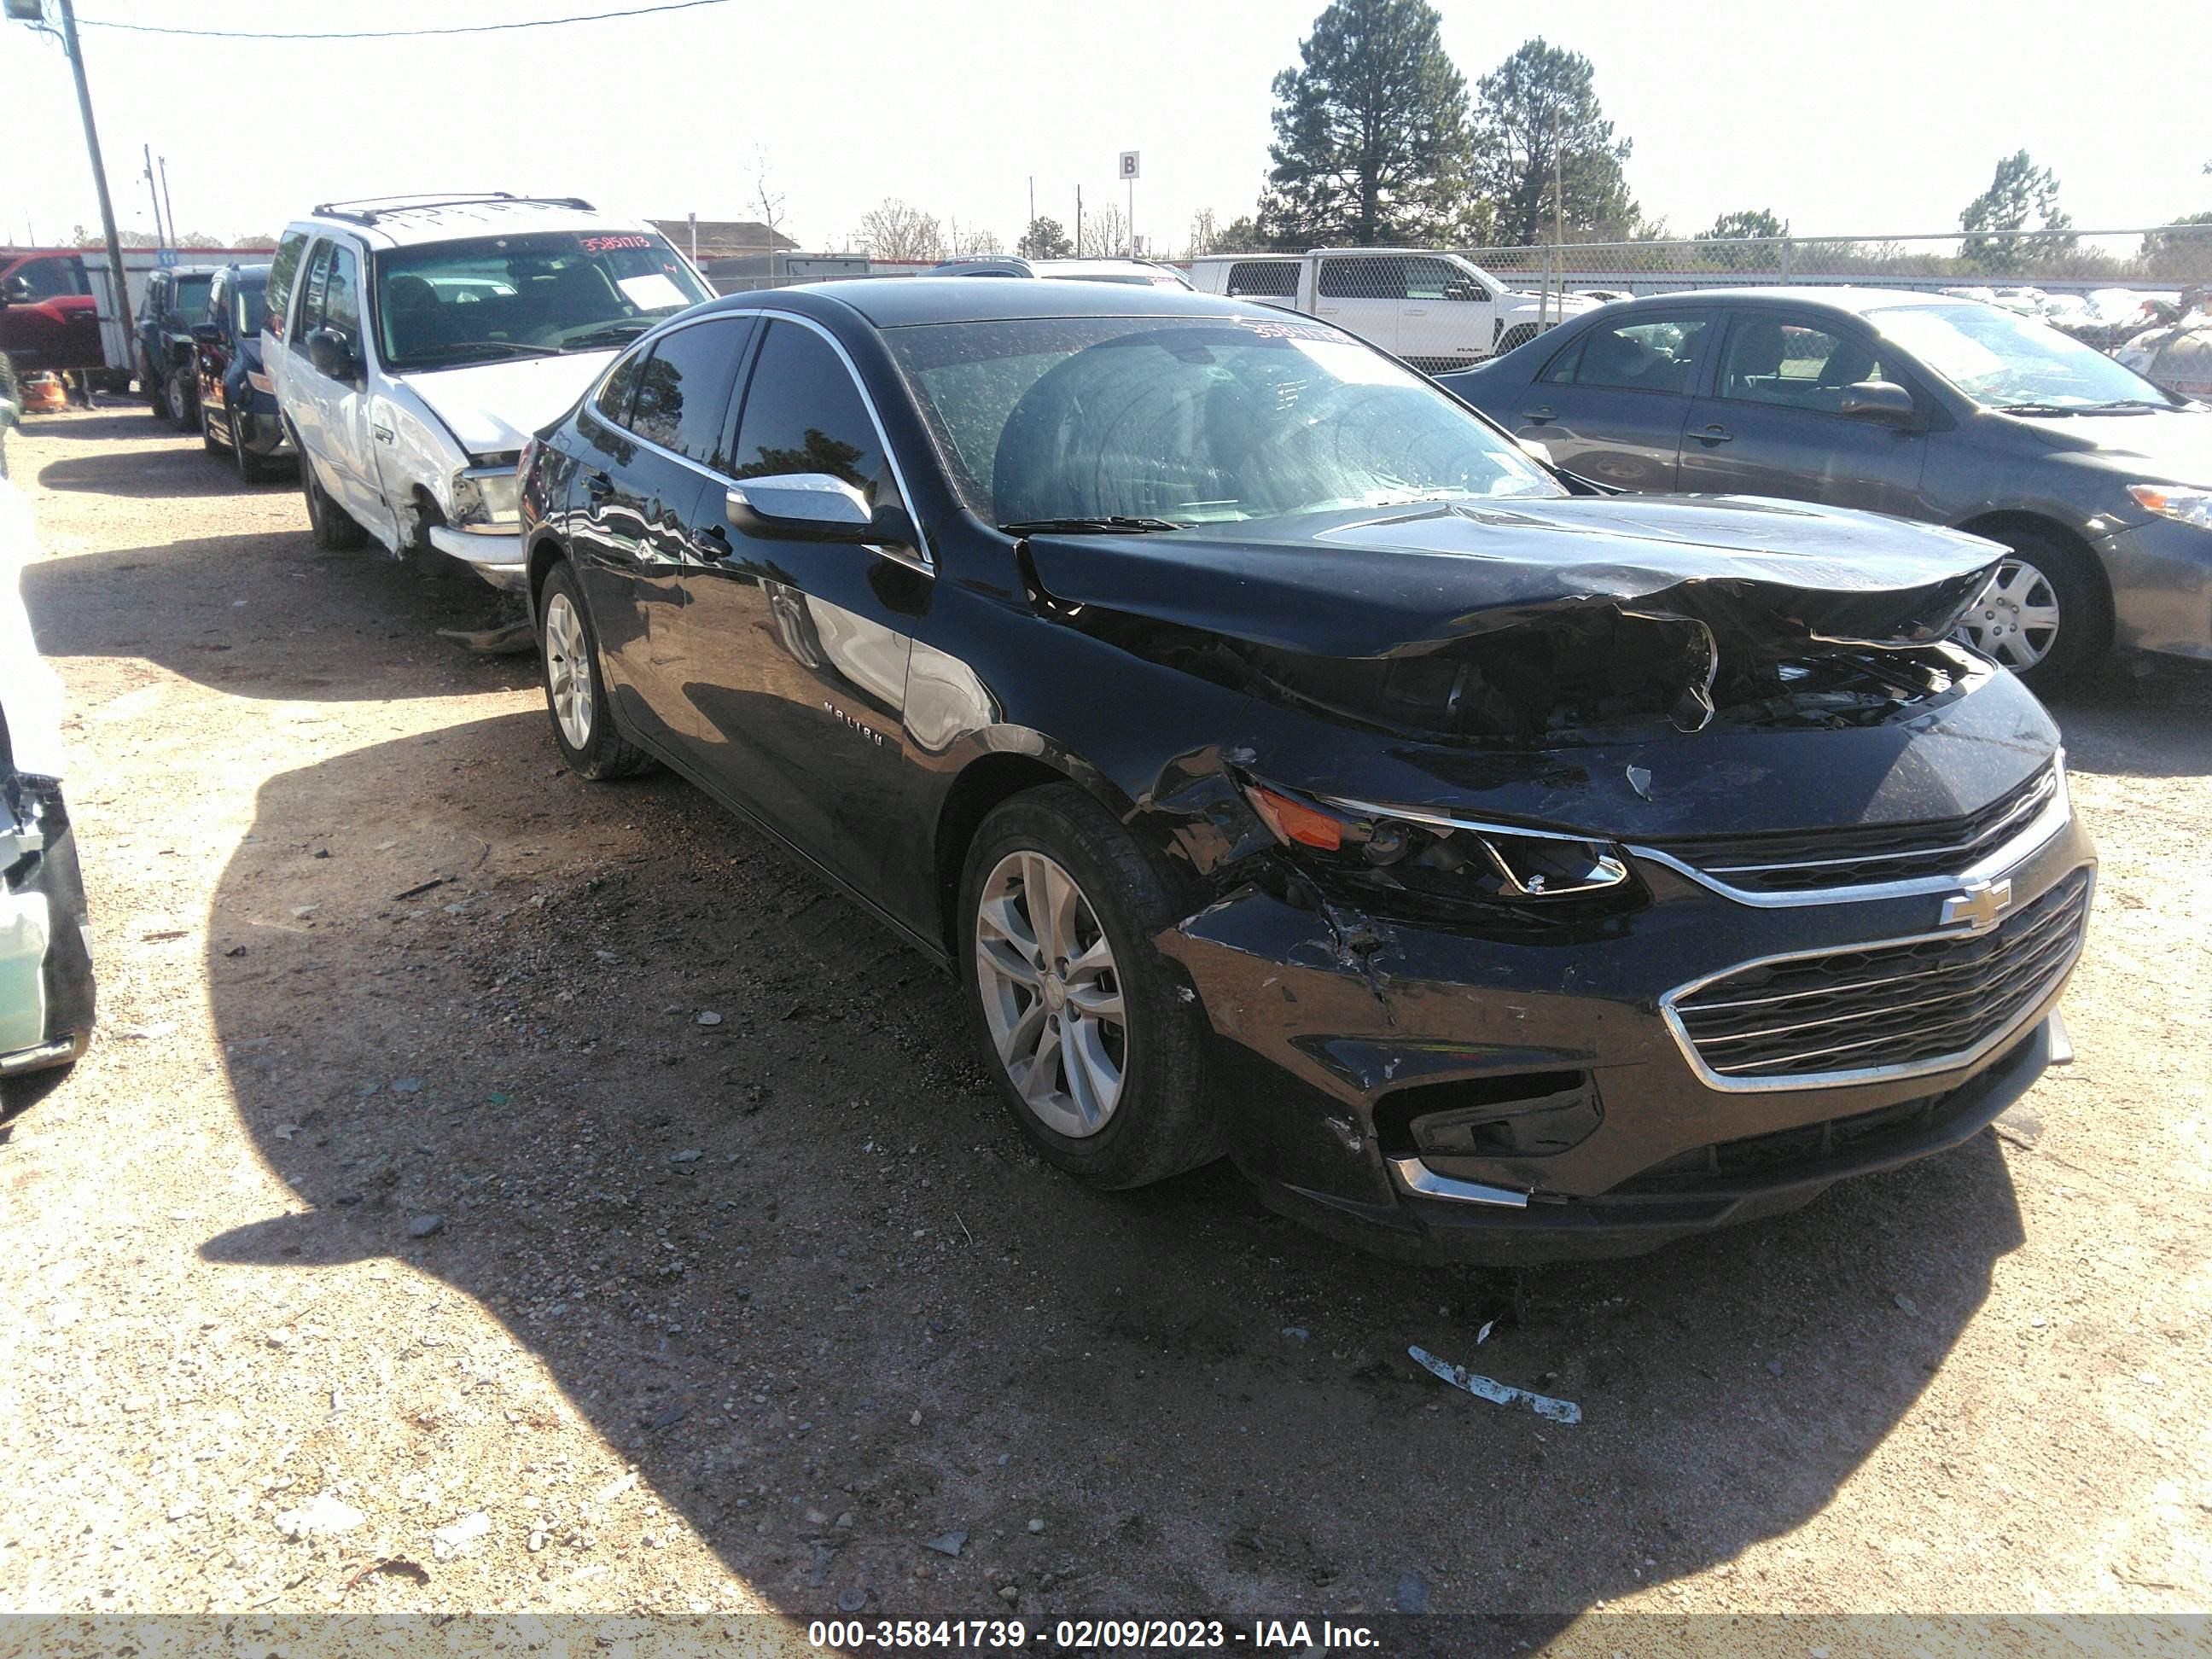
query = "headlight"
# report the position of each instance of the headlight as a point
(2190, 507)
(1427, 856)
(484, 500)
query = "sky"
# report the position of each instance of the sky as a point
(1847, 119)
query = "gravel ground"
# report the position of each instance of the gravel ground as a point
(493, 1192)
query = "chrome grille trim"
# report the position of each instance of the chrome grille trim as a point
(2040, 956)
(2057, 811)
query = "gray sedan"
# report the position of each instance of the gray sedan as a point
(1916, 404)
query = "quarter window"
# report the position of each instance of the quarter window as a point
(615, 397)
(804, 413)
(683, 391)
(1650, 354)
(1793, 361)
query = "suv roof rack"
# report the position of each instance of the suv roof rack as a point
(367, 209)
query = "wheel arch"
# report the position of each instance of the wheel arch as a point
(2006, 522)
(544, 553)
(980, 788)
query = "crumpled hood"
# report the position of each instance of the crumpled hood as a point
(2168, 447)
(1383, 581)
(493, 408)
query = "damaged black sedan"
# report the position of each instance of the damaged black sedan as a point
(1289, 766)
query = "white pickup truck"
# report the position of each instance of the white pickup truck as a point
(1435, 310)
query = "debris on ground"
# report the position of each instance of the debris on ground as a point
(946, 1543)
(450, 1542)
(321, 1516)
(1486, 1388)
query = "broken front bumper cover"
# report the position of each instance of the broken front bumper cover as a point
(497, 559)
(1352, 1071)
(47, 998)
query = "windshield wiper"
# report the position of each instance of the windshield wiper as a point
(469, 347)
(2039, 408)
(2121, 403)
(1106, 524)
(614, 334)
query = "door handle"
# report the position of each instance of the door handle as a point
(711, 545)
(1716, 435)
(1538, 416)
(598, 486)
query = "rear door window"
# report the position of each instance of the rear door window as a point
(684, 388)
(1642, 353)
(1367, 278)
(282, 270)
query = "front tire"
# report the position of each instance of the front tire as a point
(334, 531)
(2045, 614)
(576, 691)
(157, 393)
(1094, 1039)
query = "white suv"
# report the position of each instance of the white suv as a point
(415, 343)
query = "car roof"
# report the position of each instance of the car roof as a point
(403, 223)
(1856, 301)
(903, 301)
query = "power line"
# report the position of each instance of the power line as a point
(392, 34)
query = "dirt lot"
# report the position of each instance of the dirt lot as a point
(390, 1205)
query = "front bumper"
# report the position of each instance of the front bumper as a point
(1325, 1050)
(497, 559)
(2162, 579)
(47, 997)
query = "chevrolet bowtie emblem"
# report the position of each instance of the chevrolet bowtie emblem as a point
(1979, 906)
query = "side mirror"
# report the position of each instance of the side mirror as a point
(207, 333)
(814, 507)
(15, 291)
(331, 353)
(1883, 401)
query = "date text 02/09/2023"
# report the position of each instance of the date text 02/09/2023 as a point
(1088, 1635)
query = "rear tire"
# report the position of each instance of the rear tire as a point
(575, 690)
(156, 387)
(209, 441)
(184, 400)
(252, 469)
(333, 530)
(1128, 1021)
(2045, 615)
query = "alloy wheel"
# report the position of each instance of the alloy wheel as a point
(1051, 994)
(2016, 620)
(569, 670)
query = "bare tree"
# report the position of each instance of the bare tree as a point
(767, 199)
(971, 238)
(1105, 233)
(1204, 233)
(896, 231)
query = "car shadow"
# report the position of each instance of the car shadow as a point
(262, 615)
(2140, 716)
(792, 1261)
(118, 419)
(185, 469)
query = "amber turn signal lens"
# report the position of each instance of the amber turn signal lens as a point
(1292, 821)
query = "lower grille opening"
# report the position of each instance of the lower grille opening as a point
(1526, 1114)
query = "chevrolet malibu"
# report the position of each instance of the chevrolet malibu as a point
(1288, 765)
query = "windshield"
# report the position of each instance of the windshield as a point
(2000, 359)
(191, 298)
(246, 308)
(1192, 421)
(448, 303)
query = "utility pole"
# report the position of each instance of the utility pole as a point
(1559, 219)
(153, 192)
(1032, 204)
(1079, 221)
(69, 45)
(168, 207)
